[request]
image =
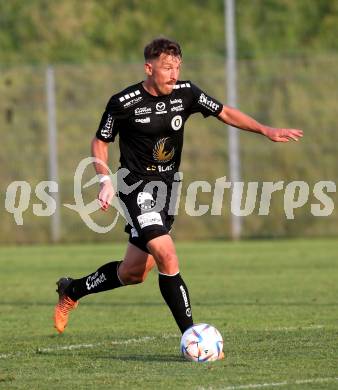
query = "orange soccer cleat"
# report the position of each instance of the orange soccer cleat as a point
(64, 306)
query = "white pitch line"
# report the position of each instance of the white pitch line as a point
(291, 328)
(68, 347)
(279, 329)
(277, 384)
(141, 340)
(84, 346)
(9, 355)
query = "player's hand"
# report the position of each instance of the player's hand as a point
(283, 135)
(106, 194)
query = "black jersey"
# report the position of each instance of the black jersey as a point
(151, 127)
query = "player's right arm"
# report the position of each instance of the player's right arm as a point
(105, 134)
(100, 153)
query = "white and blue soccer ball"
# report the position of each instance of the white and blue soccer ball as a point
(202, 343)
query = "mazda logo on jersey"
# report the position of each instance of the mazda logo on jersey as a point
(160, 106)
(160, 154)
(176, 122)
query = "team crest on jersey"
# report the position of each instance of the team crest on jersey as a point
(176, 122)
(160, 154)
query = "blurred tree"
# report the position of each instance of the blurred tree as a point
(41, 31)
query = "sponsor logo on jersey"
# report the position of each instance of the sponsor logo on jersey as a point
(107, 129)
(167, 168)
(149, 219)
(132, 102)
(176, 101)
(142, 111)
(143, 120)
(130, 95)
(176, 122)
(160, 154)
(208, 103)
(94, 280)
(177, 108)
(160, 108)
(161, 168)
(145, 201)
(183, 85)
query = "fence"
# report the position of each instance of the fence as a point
(300, 93)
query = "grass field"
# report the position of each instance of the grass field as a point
(275, 302)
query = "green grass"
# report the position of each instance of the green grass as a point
(275, 302)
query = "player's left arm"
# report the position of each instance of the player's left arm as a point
(236, 118)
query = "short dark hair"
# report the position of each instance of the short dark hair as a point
(161, 45)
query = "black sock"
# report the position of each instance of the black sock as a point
(175, 293)
(105, 278)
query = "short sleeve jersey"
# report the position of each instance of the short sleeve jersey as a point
(151, 128)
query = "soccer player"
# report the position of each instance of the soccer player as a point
(149, 117)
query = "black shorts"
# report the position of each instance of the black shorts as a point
(149, 212)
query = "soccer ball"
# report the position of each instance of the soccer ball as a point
(202, 343)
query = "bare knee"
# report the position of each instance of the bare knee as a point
(133, 275)
(164, 252)
(133, 278)
(167, 262)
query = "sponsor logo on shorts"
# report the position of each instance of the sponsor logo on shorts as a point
(133, 233)
(176, 122)
(208, 103)
(149, 219)
(94, 280)
(145, 201)
(142, 110)
(143, 120)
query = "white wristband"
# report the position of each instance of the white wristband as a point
(104, 178)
